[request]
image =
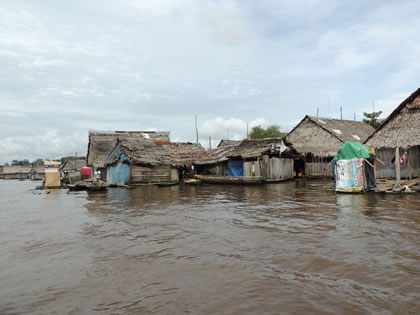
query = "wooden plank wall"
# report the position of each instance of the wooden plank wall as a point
(141, 175)
(318, 168)
(411, 170)
(270, 169)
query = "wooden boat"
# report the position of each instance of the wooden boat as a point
(167, 184)
(192, 181)
(234, 180)
(88, 185)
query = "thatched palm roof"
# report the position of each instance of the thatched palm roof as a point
(225, 142)
(17, 169)
(186, 153)
(401, 128)
(324, 136)
(102, 143)
(139, 152)
(258, 147)
(74, 164)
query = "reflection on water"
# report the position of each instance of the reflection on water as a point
(288, 247)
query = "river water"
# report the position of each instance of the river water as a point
(278, 248)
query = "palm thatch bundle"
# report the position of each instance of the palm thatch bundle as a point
(258, 147)
(186, 153)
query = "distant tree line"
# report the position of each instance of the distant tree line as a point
(272, 131)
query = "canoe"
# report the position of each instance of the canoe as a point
(192, 181)
(234, 180)
(88, 185)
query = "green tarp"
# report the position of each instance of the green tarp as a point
(352, 150)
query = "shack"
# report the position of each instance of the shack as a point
(318, 140)
(137, 161)
(185, 158)
(101, 143)
(353, 168)
(17, 172)
(71, 169)
(400, 129)
(216, 162)
(1, 173)
(37, 172)
(268, 158)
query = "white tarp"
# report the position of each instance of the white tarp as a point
(349, 174)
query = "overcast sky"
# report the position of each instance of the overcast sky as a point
(72, 66)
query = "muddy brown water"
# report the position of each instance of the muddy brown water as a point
(279, 248)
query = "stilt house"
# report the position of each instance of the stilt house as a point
(318, 140)
(400, 129)
(37, 172)
(101, 143)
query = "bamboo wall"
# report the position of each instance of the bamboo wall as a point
(142, 175)
(412, 168)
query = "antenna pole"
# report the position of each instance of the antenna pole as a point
(317, 112)
(196, 129)
(341, 113)
(354, 116)
(209, 143)
(247, 133)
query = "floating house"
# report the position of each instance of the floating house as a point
(216, 162)
(400, 129)
(17, 172)
(268, 158)
(101, 143)
(1, 173)
(318, 140)
(73, 164)
(137, 161)
(185, 158)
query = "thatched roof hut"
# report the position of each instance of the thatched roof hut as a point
(139, 152)
(218, 155)
(257, 147)
(74, 164)
(401, 128)
(226, 142)
(102, 143)
(16, 172)
(185, 153)
(323, 137)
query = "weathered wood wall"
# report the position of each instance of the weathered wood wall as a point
(412, 168)
(320, 169)
(141, 175)
(220, 169)
(271, 169)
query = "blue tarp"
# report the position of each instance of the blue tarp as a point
(119, 173)
(236, 168)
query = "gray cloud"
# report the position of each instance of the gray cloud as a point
(71, 67)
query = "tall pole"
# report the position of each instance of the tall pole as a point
(341, 113)
(209, 143)
(397, 165)
(317, 111)
(75, 162)
(247, 133)
(373, 105)
(354, 116)
(196, 130)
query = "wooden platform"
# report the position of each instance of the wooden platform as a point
(234, 180)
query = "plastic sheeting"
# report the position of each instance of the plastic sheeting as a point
(119, 174)
(236, 168)
(349, 175)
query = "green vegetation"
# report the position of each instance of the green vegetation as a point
(371, 118)
(271, 131)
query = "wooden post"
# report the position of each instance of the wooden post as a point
(397, 165)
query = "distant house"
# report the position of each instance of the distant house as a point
(17, 172)
(37, 172)
(269, 158)
(101, 143)
(137, 161)
(1, 173)
(400, 129)
(319, 139)
(225, 142)
(186, 157)
(73, 164)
